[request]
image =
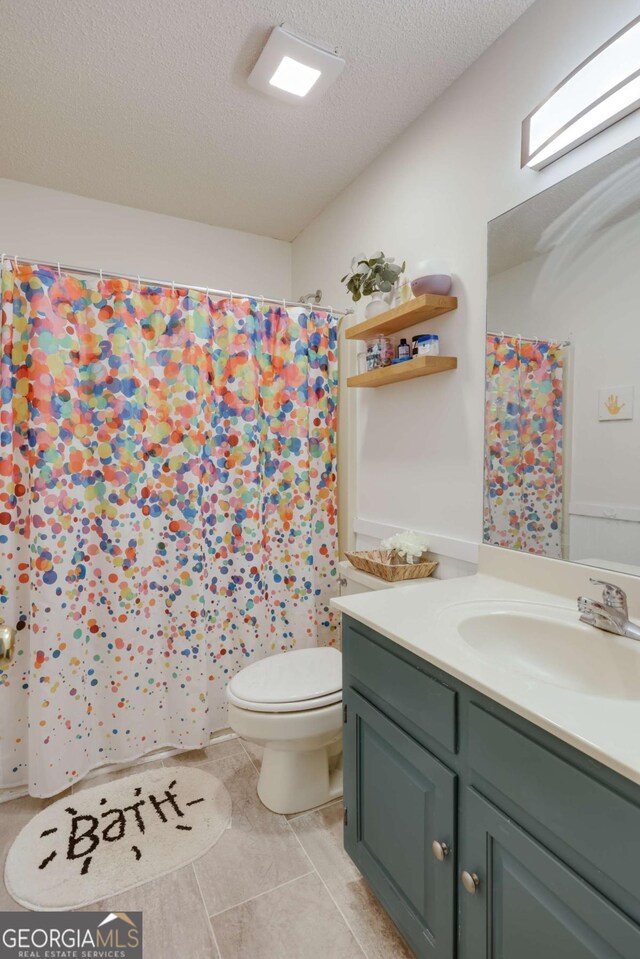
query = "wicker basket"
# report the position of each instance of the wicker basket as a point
(385, 564)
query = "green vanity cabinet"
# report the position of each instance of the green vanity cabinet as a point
(401, 797)
(528, 904)
(483, 836)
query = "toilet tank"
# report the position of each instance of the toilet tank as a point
(355, 581)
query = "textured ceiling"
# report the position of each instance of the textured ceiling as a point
(145, 102)
(519, 234)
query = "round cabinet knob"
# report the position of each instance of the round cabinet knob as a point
(470, 882)
(440, 850)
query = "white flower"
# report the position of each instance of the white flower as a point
(409, 545)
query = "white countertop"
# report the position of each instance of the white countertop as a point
(605, 728)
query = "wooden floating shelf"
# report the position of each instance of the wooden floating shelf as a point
(422, 308)
(418, 366)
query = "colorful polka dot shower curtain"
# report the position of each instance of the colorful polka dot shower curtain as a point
(167, 511)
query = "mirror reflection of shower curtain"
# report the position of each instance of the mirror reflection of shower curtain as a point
(523, 478)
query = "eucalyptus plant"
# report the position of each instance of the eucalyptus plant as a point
(376, 274)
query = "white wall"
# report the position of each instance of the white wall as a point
(417, 447)
(37, 222)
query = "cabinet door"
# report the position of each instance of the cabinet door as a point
(528, 904)
(399, 799)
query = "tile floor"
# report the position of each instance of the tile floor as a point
(274, 887)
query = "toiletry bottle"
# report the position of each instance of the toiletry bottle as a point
(404, 350)
(386, 349)
(379, 352)
(404, 293)
(374, 359)
(423, 344)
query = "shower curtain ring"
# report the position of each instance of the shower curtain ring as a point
(173, 287)
(59, 273)
(101, 279)
(261, 298)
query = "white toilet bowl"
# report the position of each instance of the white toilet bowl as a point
(291, 704)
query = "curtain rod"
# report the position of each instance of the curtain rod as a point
(170, 284)
(527, 339)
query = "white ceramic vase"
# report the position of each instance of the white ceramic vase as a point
(377, 304)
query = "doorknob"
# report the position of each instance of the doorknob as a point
(470, 882)
(7, 641)
(440, 850)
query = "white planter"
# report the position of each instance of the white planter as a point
(377, 304)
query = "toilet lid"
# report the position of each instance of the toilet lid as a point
(303, 677)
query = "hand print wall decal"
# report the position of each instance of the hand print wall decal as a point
(615, 403)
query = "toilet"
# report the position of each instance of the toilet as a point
(291, 704)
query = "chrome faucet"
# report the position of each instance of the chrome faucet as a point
(611, 613)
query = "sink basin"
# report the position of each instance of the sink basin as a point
(550, 645)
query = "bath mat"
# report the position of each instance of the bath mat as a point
(102, 841)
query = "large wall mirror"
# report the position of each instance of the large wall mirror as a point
(562, 416)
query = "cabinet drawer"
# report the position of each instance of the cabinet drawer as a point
(594, 820)
(403, 690)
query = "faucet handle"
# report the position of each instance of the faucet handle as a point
(612, 595)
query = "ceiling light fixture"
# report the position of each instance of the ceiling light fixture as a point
(602, 90)
(294, 77)
(294, 69)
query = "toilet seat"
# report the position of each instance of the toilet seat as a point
(295, 681)
(293, 707)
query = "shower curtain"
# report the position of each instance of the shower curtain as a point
(523, 445)
(167, 511)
